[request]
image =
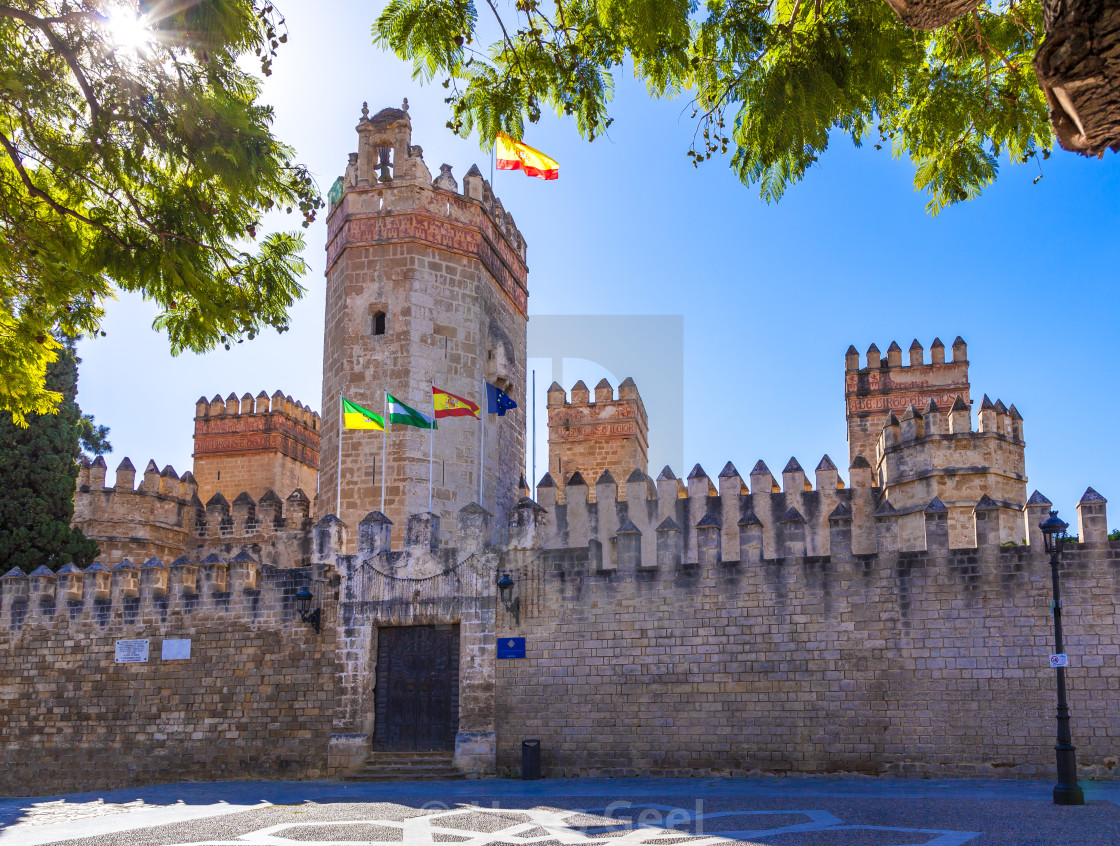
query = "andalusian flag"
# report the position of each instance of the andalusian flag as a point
(515, 155)
(405, 415)
(450, 405)
(356, 417)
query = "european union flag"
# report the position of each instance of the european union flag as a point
(498, 401)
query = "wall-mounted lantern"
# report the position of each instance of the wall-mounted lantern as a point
(511, 603)
(303, 604)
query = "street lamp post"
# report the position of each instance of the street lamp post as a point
(1067, 791)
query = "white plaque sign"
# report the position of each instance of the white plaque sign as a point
(1061, 660)
(132, 651)
(176, 650)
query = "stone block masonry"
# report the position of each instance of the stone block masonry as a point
(924, 663)
(426, 284)
(255, 699)
(254, 445)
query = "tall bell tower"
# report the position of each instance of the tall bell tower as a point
(425, 284)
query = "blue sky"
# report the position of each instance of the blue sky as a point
(771, 296)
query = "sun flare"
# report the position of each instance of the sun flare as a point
(128, 30)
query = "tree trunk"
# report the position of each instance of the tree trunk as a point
(930, 14)
(1078, 67)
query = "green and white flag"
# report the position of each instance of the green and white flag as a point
(406, 415)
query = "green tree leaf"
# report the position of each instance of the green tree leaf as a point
(134, 156)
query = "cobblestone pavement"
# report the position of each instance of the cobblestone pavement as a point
(608, 812)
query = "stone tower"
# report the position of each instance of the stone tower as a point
(589, 438)
(255, 444)
(871, 393)
(425, 284)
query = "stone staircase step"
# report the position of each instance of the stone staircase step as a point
(407, 766)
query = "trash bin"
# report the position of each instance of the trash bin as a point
(530, 759)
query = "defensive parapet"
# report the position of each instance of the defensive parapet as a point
(674, 523)
(387, 159)
(134, 521)
(935, 453)
(887, 384)
(596, 439)
(278, 532)
(686, 521)
(255, 444)
(150, 593)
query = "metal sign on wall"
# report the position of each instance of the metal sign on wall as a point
(511, 647)
(132, 651)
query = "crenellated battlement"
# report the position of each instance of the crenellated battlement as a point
(163, 517)
(278, 531)
(387, 177)
(937, 453)
(886, 384)
(255, 444)
(688, 522)
(247, 404)
(129, 520)
(592, 435)
(188, 591)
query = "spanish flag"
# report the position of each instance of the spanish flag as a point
(514, 155)
(356, 417)
(450, 405)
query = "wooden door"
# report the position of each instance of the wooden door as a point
(417, 688)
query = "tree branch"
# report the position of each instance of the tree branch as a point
(36, 191)
(60, 48)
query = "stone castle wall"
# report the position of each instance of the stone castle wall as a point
(931, 662)
(254, 699)
(135, 521)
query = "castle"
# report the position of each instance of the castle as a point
(891, 622)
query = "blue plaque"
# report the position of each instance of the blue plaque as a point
(511, 647)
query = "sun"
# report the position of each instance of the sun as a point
(128, 30)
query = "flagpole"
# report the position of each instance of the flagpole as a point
(431, 442)
(533, 481)
(338, 490)
(485, 406)
(384, 442)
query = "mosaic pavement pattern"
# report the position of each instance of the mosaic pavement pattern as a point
(619, 824)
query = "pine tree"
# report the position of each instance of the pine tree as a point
(38, 472)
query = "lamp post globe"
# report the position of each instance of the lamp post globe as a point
(1053, 532)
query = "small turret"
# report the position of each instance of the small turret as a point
(851, 359)
(960, 417)
(126, 475)
(988, 416)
